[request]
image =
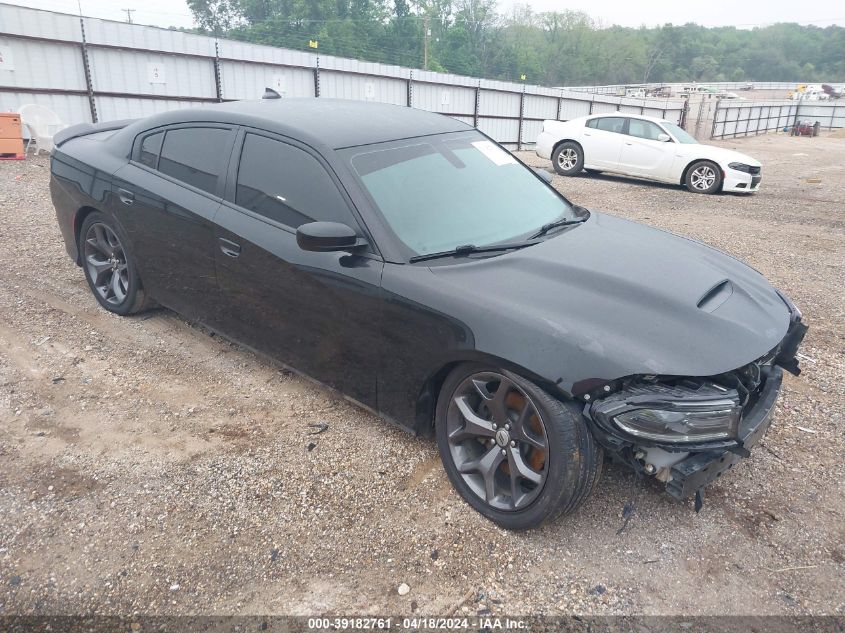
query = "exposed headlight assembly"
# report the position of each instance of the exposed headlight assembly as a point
(689, 411)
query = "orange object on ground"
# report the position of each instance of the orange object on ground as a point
(11, 139)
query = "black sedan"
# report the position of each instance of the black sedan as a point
(409, 262)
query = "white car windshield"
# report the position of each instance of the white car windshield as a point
(440, 192)
(679, 133)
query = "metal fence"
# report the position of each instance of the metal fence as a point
(744, 118)
(730, 86)
(88, 69)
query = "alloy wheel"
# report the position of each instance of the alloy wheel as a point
(497, 441)
(105, 261)
(703, 177)
(567, 159)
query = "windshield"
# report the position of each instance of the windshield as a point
(679, 133)
(450, 190)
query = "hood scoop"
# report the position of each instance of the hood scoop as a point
(716, 296)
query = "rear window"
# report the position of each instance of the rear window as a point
(195, 156)
(150, 147)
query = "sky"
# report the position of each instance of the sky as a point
(608, 12)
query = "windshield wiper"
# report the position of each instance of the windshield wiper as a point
(469, 249)
(553, 225)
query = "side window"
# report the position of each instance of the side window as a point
(643, 129)
(592, 123)
(611, 124)
(195, 156)
(287, 184)
(150, 147)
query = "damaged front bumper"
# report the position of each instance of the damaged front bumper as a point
(686, 465)
(696, 471)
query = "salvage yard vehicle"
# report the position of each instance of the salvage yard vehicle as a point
(645, 147)
(404, 259)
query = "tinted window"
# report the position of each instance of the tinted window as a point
(592, 123)
(611, 124)
(643, 129)
(287, 184)
(194, 156)
(150, 147)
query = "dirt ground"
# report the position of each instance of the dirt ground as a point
(146, 466)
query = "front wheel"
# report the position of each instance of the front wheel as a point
(704, 177)
(568, 159)
(514, 453)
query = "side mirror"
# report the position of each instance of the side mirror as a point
(664, 138)
(324, 237)
(543, 174)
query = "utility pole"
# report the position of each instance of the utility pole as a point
(129, 13)
(426, 35)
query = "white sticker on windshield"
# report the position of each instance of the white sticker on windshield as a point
(494, 153)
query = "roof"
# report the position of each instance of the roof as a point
(334, 123)
(629, 115)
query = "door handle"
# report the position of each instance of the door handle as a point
(586, 134)
(229, 247)
(627, 143)
(126, 197)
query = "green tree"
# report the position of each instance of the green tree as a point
(553, 48)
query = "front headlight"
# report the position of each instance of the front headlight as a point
(689, 411)
(676, 425)
(740, 167)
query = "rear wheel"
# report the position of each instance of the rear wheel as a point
(568, 159)
(108, 266)
(514, 453)
(704, 177)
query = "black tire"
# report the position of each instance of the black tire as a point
(571, 459)
(108, 266)
(703, 176)
(568, 159)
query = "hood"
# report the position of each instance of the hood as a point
(721, 155)
(612, 298)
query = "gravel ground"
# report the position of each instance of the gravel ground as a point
(148, 466)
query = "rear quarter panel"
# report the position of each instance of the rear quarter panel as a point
(80, 179)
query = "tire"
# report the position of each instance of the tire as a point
(546, 443)
(568, 159)
(108, 266)
(703, 176)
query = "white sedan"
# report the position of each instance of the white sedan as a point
(645, 147)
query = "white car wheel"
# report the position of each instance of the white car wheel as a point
(704, 177)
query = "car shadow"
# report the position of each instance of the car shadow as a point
(641, 182)
(630, 180)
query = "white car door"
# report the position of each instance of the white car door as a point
(602, 140)
(643, 155)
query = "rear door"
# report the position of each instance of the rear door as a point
(318, 312)
(603, 137)
(168, 196)
(642, 154)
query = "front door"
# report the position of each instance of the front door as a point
(318, 312)
(642, 154)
